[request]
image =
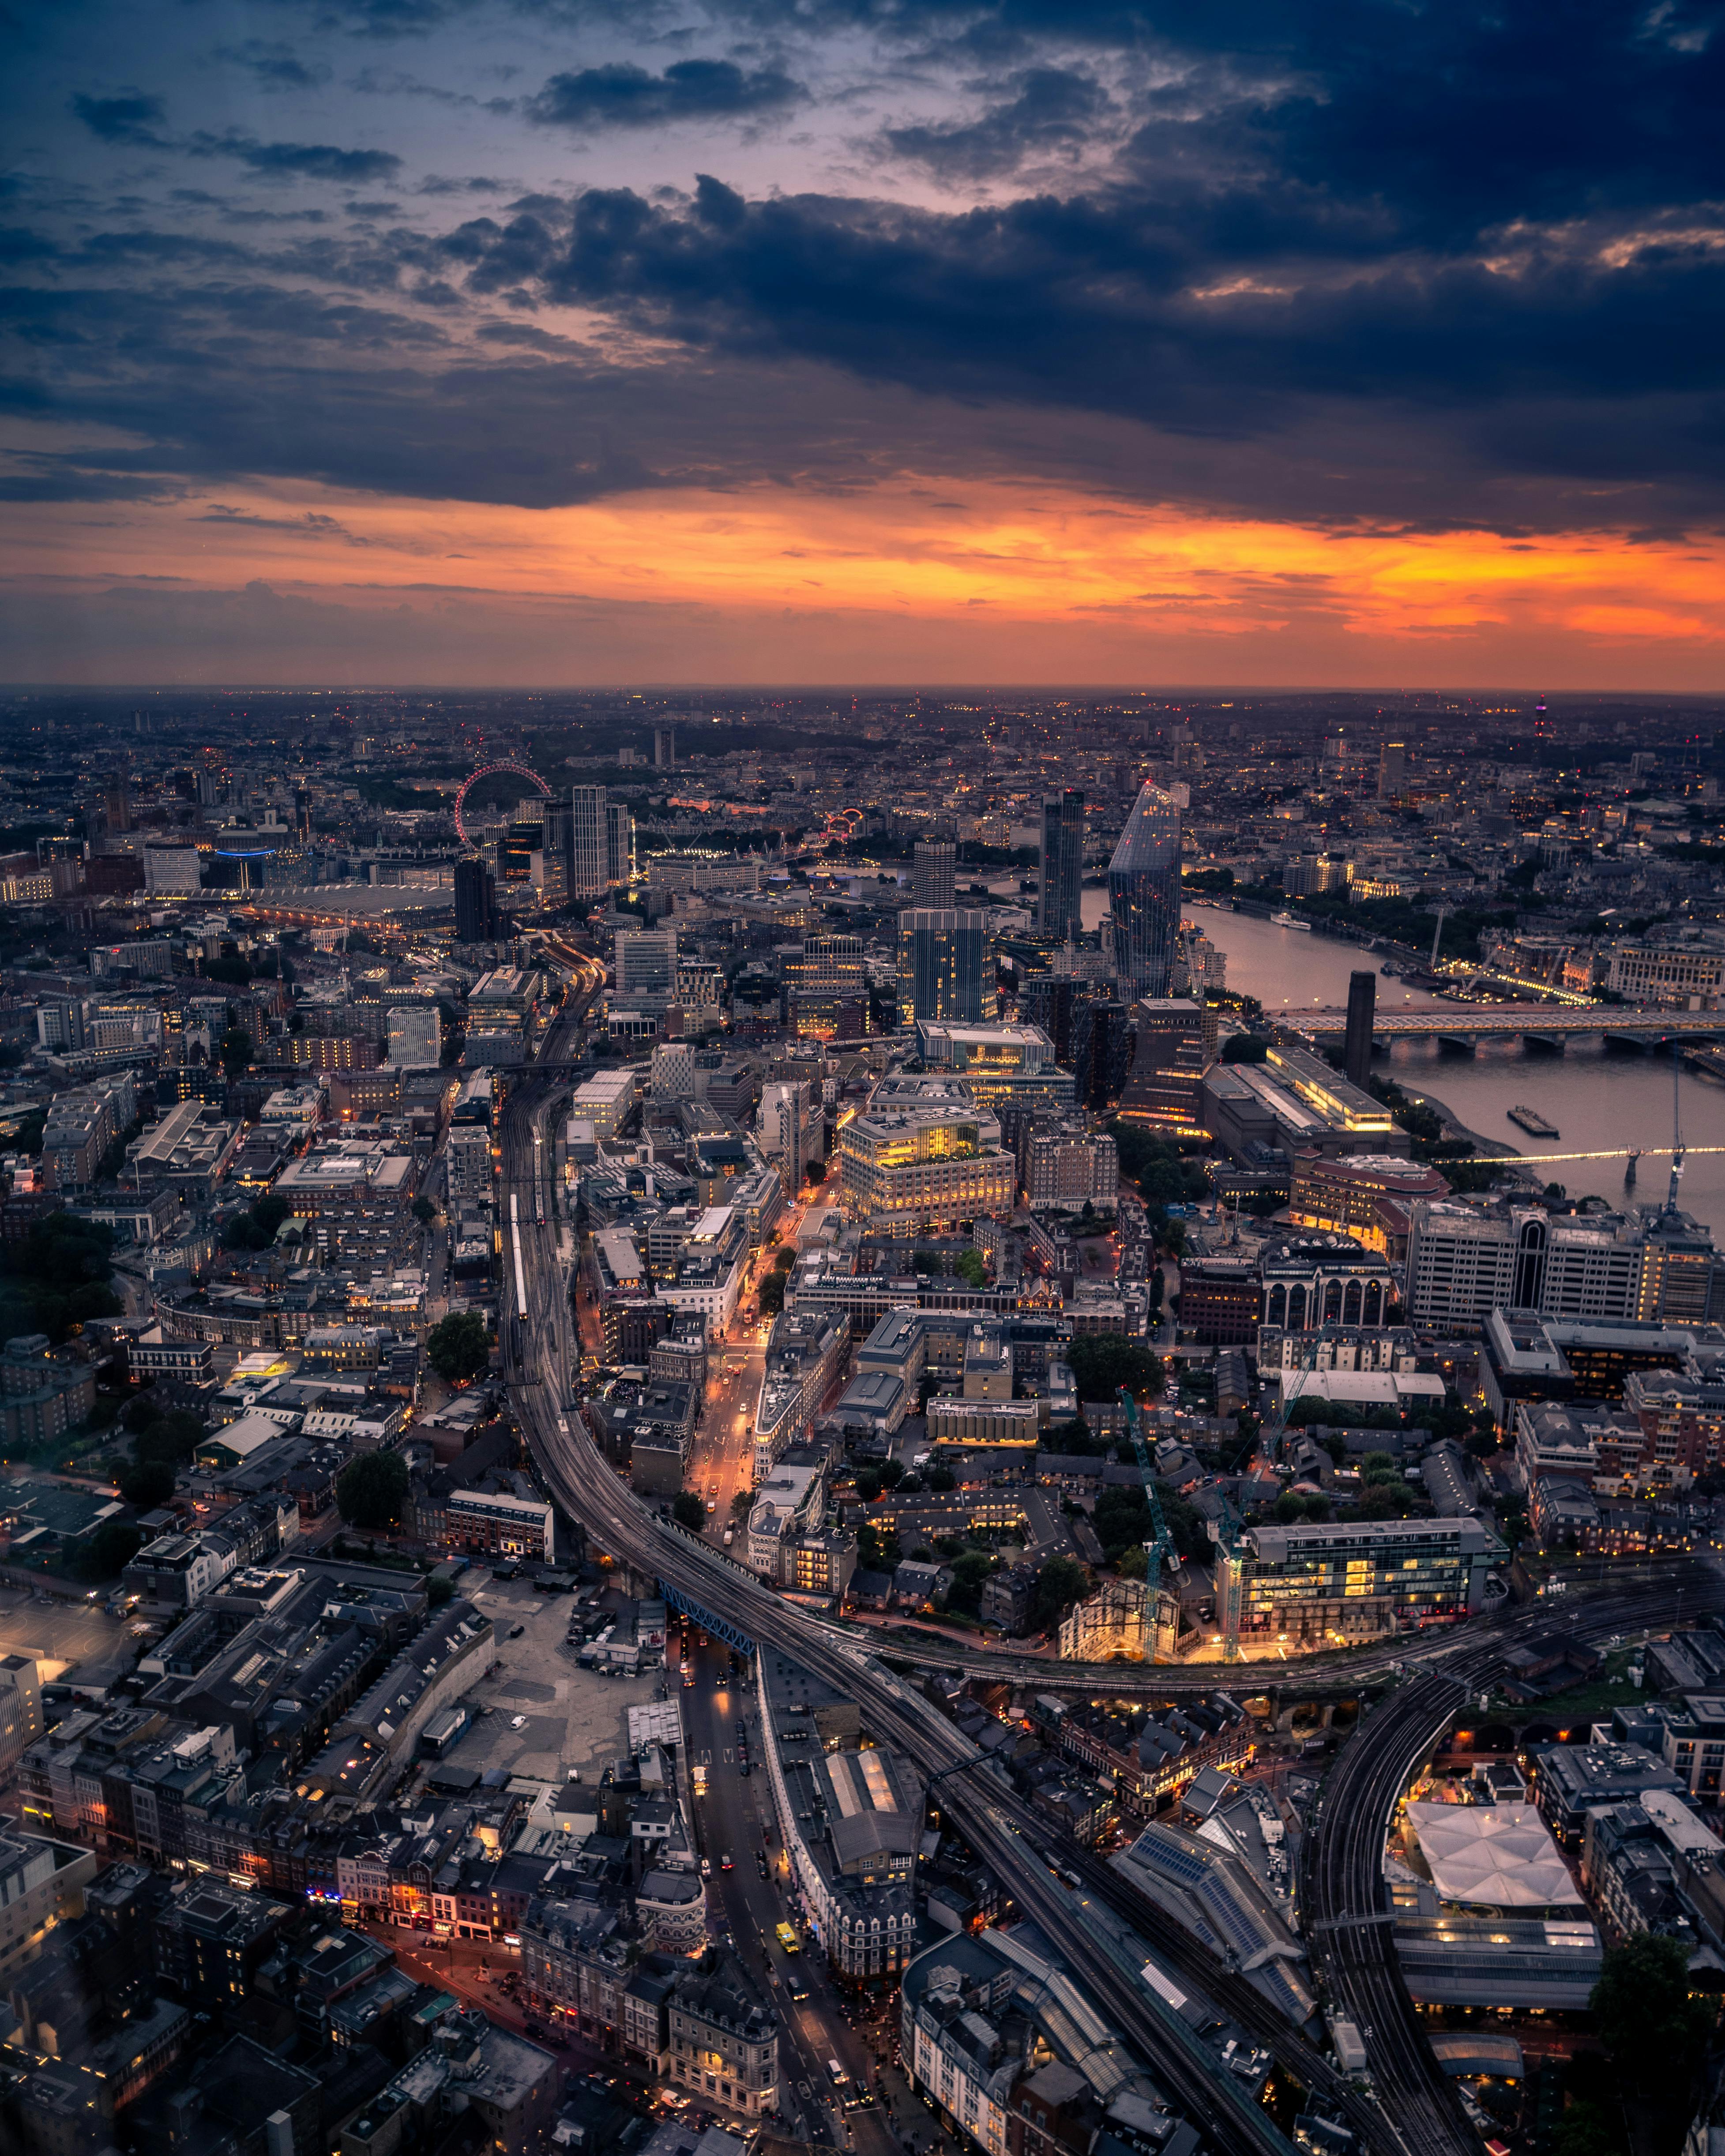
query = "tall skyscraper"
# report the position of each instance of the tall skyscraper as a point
(1392, 770)
(474, 910)
(588, 849)
(1144, 895)
(664, 748)
(1361, 1007)
(933, 869)
(946, 965)
(1058, 899)
(620, 843)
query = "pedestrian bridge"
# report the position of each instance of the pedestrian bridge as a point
(1646, 1025)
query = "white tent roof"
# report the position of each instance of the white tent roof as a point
(1499, 1856)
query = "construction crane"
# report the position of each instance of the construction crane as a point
(1227, 1532)
(1164, 1545)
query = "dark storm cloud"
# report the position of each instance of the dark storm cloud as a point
(132, 118)
(1430, 267)
(592, 100)
(1054, 114)
(311, 160)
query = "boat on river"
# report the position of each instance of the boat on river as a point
(1291, 920)
(1532, 1122)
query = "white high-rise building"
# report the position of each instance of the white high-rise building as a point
(588, 847)
(646, 962)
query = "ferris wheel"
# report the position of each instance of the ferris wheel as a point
(491, 770)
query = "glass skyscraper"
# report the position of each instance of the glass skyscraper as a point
(1144, 895)
(1062, 835)
(946, 965)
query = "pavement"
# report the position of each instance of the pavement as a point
(572, 1717)
(63, 1637)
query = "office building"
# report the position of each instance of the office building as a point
(1362, 1008)
(1051, 1001)
(556, 846)
(646, 962)
(1004, 1065)
(620, 843)
(933, 871)
(1362, 1194)
(1062, 847)
(1176, 1042)
(416, 1035)
(1465, 1261)
(1101, 1051)
(946, 965)
(475, 904)
(1392, 770)
(1311, 1586)
(1067, 1167)
(930, 1160)
(664, 748)
(1144, 895)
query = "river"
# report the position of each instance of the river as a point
(1597, 1097)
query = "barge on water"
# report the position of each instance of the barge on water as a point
(1533, 1123)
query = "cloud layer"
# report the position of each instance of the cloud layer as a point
(1451, 270)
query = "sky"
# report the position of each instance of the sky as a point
(1355, 342)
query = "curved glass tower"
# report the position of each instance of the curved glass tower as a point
(1144, 895)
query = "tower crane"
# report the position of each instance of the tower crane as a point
(1162, 1546)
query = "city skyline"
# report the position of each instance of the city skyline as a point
(456, 344)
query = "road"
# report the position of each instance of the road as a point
(735, 1818)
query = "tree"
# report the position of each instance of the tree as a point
(1060, 1583)
(110, 1549)
(972, 1268)
(425, 1212)
(816, 1172)
(772, 1295)
(742, 1501)
(146, 1483)
(1243, 1048)
(941, 1478)
(1134, 1562)
(236, 1052)
(1103, 1363)
(57, 1277)
(969, 1571)
(925, 1261)
(688, 1510)
(459, 1348)
(782, 1261)
(440, 1589)
(370, 1489)
(172, 1438)
(1648, 2020)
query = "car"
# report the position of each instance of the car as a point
(706, 1867)
(516, 1630)
(725, 1862)
(518, 1722)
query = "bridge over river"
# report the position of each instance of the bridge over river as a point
(1641, 1025)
